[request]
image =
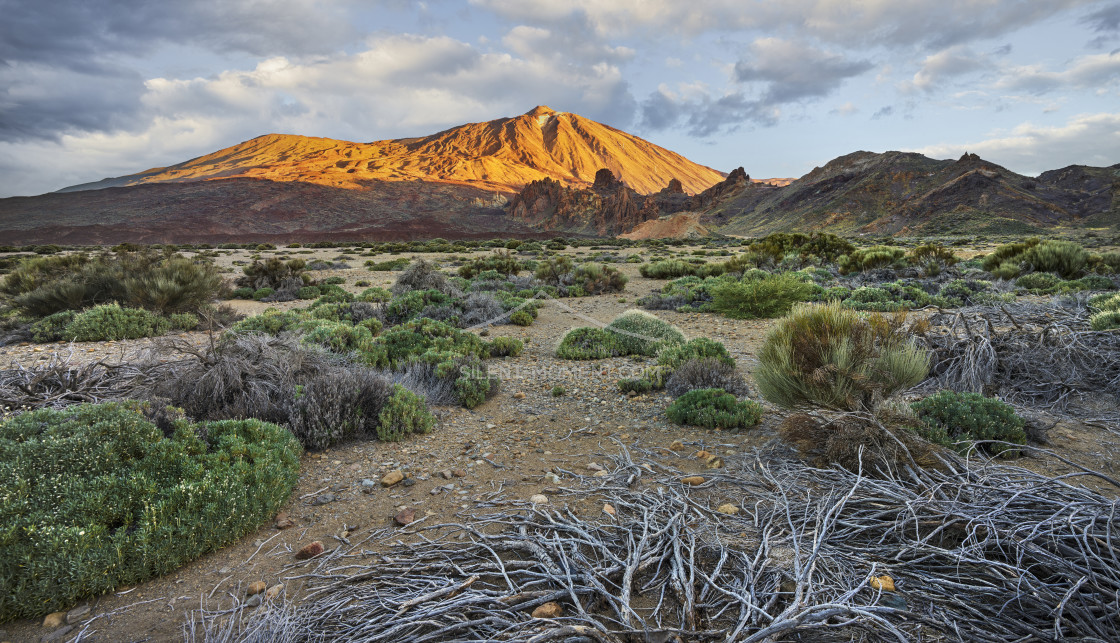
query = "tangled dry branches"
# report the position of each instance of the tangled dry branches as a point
(988, 553)
(1039, 356)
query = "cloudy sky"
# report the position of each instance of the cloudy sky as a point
(96, 88)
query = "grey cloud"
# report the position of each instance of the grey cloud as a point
(794, 71)
(703, 116)
(1106, 20)
(70, 32)
(883, 112)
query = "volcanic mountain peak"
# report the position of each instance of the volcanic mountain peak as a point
(503, 154)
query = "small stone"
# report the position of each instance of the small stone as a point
(608, 509)
(77, 614)
(405, 517)
(594, 466)
(284, 522)
(392, 478)
(677, 445)
(715, 462)
(693, 480)
(408, 482)
(459, 473)
(446, 474)
(58, 634)
(548, 610)
(310, 550)
(254, 600)
(703, 455)
(538, 499)
(519, 395)
(255, 588)
(885, 583)
(326, 498)
(491, 426)
(552, 477)
(728, 508)
(274, 591)
(368, 485)
(600, 474)
(55, 619)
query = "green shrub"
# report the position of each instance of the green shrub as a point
(829, 356)
(956, 420)
(183, 321)
(675, 355)
(506, 347)
(504, 263)
(933, 252)
(1095, 282)
(589, 343)
(271, 273)
(94, 497)
(402, 344)
(768, 296)
(552, 271)
(247, 293)
(308, 292)
(110, 322)
(1039, 282)
(558, 391)
(271, 322)
(640, 333)
(375, 295)
(1006, 258)
(387, 266)
(596, 279)
(675, 268)
(635, 385)
(962, 292)
(1107, 315)
(1066, 258)
(165, 284)
(404, 414)
(714, 408)
(333, 281)
(337, 336)
(361, 283)
(870, 259)
(521, 318)
(778, 245)
(52, 328)
(261, 293)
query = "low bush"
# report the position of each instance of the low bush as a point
(271, 273)
(161, 283)
(404, 414)
(1039, 282)
(829, 356)
(957, 420)
(506, 347)
(375, 295)
(110, 322)
(183, 321)
(308, 292)
(558, 391)
(422, 274)
(765, 296)
(675, 268)
(521, 318)
(1107, 312)
(714, 408)
(262, 293)
(871, 258)
(640, 333)
(503, 263)
(95, 497)
(597, 279)
(963, 292)
(1066, 258)
(387, 266)
(706, 372)
(589, 343)
(676, 355)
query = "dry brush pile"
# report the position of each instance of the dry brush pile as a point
(976, 553)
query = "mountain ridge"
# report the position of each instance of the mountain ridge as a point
(503, 155)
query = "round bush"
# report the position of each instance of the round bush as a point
(588, 343)
(1038, 281)
(829, 356)
(94, 497)
(956, 420)
(110, 322)
(405, 413)
(521, 318)
(674, 355)
(308, 292)
(714, 408)
(640, 333)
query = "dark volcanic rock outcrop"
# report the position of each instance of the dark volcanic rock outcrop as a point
(609, 207)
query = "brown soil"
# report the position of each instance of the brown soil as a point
(508, 444)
